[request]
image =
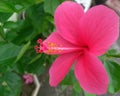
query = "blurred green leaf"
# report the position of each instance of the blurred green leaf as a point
(2, 35)
(8, 53)
(39, 1)
(10, 84)
(22, 51)
(24, 32)
(11, 35)
(113, 70)
(4, 16)
(35, 58)
(77, 87)
(15, 5)
(69, 79)
(38, 18)
(113, 53)
(75, 93)
(10, 24)
(38, 67)
(63, 87)
(86, 94)
(5, 7)
(50, 6)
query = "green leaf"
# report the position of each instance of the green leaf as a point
(69, 79)
(78, 90)
(38, 18)
(87, 94)
(4, 16)
(23, 50)
(37, 67)
(77, 87)
(5, 7)
(113, 70)
(35, 58)
(2, 35)
(15, 5)
(39, 1)
(63, 87)
(8, 53)
(50, 5)
(24, 32)
(113, 53)
(75, 93)
(11, 35)
(10, 24)
(10, 84)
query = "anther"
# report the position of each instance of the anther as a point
(39, 41)
(36, 47)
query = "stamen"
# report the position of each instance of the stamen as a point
(38, 48)
(53, 48)
(39, 41)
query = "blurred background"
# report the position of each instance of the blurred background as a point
(22, 23)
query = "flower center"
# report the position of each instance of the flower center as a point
(53, 48)
(85, 48)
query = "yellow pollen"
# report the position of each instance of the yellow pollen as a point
(53, 48)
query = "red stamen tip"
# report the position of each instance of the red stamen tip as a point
(39, 41)
(36, 47)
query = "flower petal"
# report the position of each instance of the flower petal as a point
(99, 29)
(55, 44)
(60, 68)
(91, 74)
(67, 17)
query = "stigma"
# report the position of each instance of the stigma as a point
(48, 47)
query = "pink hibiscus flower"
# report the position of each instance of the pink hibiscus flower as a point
(79, 39)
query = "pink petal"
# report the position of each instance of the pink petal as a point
(99, 29)
(91, 74)
(55, 44)
(60, 68)
(67, 17)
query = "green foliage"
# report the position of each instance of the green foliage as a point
(69, 79)
(23, 50)
(10, 6)
(50, 5)
(10, 84)
(113, 70)
(4, 16)
(8, 53)
(34, 20)
(17, 40)
(86, 94)
(113, 53)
